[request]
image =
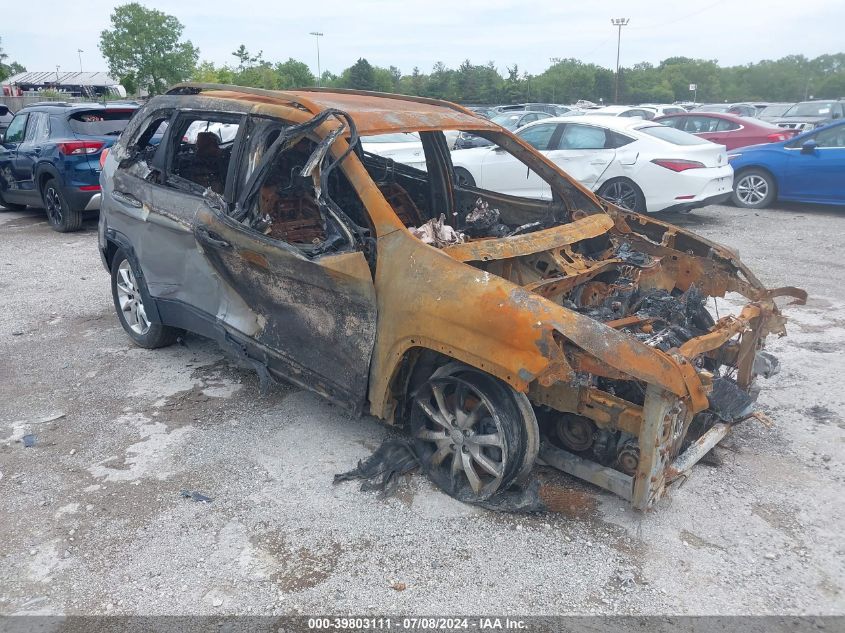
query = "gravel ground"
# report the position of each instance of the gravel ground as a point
(92, 520)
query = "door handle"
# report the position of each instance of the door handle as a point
(212, 239)
(127, 199)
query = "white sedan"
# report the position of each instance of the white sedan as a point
(403, 147)
(636, 164)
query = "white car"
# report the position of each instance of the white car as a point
(405, 148)
(636, 164)
(633, 112)
(661, 109)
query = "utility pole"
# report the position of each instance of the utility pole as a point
(317, 35)
(80, 51)
(618, 23)
(554, 60)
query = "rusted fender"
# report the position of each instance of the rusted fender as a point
(427, 299)
(530, 243)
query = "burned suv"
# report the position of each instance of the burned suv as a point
(498, 330)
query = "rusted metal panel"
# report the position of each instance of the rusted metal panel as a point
(602, 476)
(556, 237)
(697, 450)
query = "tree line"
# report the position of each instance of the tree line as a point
(141, 66)
(791, 78)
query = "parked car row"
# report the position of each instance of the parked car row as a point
(640, 165)
(49, 157)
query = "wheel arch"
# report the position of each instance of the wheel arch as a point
(43, 173)
(116, 241)
(390, 395)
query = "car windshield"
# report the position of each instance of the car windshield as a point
(399, 137)
(100, 122)
(811, 108)
(672, 135)
(774, 110)
(507, 121)
(713, 108)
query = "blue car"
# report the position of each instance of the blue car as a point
(806, 168)
(50, 158)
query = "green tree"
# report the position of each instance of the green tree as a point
(294, 74)
(8, 69)
(145, 43)
(361, 75)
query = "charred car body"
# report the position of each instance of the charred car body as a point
(499, 330)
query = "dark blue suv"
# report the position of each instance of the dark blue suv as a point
(50, 158)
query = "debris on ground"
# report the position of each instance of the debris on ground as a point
(29, 440)
(398, 586)
(381, 470)
(196, 496)
(437, 233)
(398, 456)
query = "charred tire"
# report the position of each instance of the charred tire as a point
(754, 189)
(59, 214)
(11, 206)
(129, 304)
(463, 178)
(623, 193)
(473, 433)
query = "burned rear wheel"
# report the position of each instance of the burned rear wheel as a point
(473, 433)
(129, 304)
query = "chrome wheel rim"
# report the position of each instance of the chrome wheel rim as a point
(621, 194)
(129, 299)
(53, 203)
(752, 189)
(465, 436)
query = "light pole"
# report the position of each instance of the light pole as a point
(554, 60)
(80, 51)
(618, 23)
(317, 35)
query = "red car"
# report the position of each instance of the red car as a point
(727, 129)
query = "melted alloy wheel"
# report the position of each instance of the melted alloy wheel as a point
(463, 438)
(53, 204)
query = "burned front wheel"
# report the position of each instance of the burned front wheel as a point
(474, 434)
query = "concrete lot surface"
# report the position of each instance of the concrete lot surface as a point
(92, 519)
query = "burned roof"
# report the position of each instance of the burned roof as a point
(373, 112)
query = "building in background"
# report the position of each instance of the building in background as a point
(84, 85)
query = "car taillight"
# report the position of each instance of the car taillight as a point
(774, 137)
(103, 157)
(79, 148)
(677, 164)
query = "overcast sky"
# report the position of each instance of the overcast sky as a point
(44, 33)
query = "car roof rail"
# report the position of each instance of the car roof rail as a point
(58, 104)
(193, 88)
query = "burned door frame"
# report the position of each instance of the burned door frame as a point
(184, 288)
(311, 319)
